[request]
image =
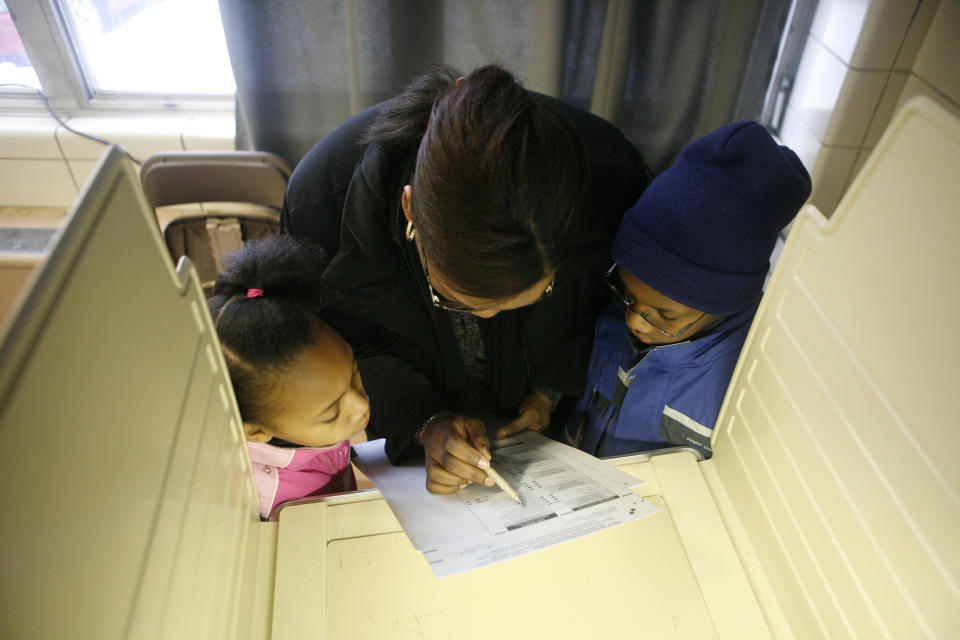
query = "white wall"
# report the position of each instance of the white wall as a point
(862, 60)
(42, 164)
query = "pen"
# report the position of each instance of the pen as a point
(503, 484)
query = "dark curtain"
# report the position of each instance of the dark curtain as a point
(664, 71)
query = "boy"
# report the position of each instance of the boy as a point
(691, 259)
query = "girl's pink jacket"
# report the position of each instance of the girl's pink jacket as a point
(288, 473)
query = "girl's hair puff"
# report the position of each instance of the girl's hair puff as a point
(261, 334)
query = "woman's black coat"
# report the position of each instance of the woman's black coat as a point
(346, 196)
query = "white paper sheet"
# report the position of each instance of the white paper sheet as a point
(567, 494)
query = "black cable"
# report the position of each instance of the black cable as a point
(65, 125)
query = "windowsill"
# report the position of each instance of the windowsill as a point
(26, 102)
(32, 217)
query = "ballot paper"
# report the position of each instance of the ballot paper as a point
(566, 493)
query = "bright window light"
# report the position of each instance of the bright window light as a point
(151, 46)
(15, 67)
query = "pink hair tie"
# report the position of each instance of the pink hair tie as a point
(254, 293)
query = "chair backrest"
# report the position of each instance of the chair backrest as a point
(130, 504)
(248, 177)
(180, 177)
(837, 442)
(206, 240)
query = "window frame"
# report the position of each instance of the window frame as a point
(56, 60)
(784, 72)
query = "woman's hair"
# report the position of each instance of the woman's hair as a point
(402, 119)
(499, 182)
(265, 306)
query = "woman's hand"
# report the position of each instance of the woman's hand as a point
(457, 452)
(535, 410)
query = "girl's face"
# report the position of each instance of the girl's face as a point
(320, 397)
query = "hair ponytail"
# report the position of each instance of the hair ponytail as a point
(403, 119)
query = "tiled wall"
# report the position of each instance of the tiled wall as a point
(862, 60)
(42, 164)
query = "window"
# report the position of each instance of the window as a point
(178, 44)
(785, 66)
(116, 54)
(15, 67)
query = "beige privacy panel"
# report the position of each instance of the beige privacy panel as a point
(839, 436)
(131, 500)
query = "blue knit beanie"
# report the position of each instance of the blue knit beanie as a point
(703, 231)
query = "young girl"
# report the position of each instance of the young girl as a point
(295, 379)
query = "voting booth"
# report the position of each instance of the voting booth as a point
(831, 506)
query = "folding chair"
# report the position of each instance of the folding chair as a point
(252, 182)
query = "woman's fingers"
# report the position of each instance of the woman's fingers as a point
(439, 480)
(464, 461)
(526, 420)
(442, 489)
(439, 475)
(477, 435)
(535, 410)
(451, 460)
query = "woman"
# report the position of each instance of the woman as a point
(469, 222)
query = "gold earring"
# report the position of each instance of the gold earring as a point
(411, 232)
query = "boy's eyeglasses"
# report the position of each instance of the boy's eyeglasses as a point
(446, 304)
(623, 299)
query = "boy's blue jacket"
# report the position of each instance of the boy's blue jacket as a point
(671, 396)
